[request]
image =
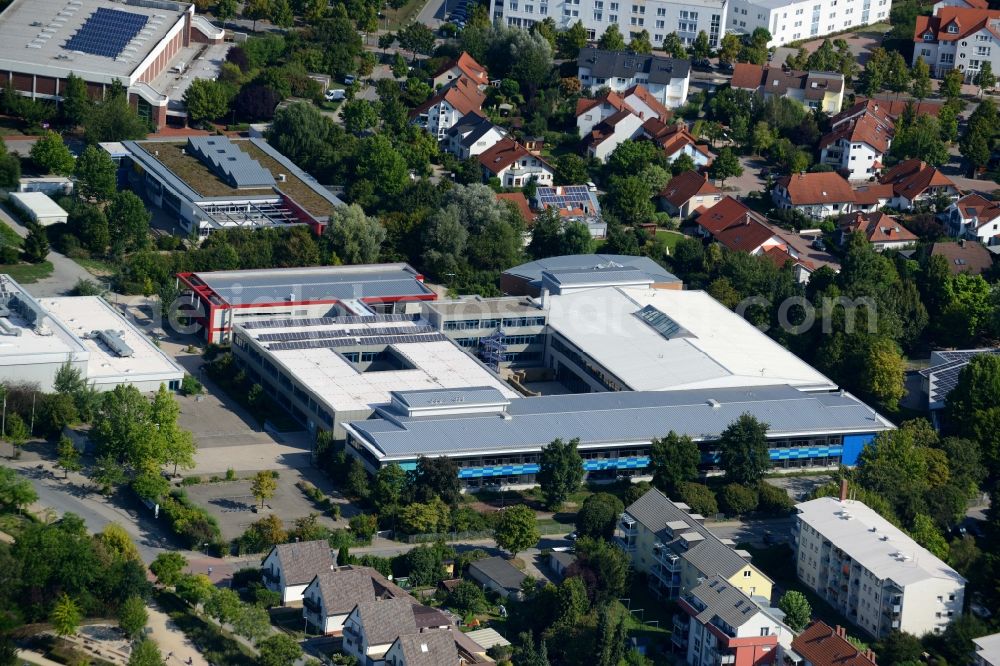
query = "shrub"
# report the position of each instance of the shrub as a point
(773, 500)
(190, 522)
(191, 386)
(700, 498)
(738, 500)
(364, 526)
(190, 480)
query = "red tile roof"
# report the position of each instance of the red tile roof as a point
(877, 228)
(726, 213)
(895, 107)
(647, 98)
(611, 97)
(463, 95)
(978, 206)
(746, 237)
(967, 20)
(806, 189)
(874, 107)
(505, 153)
(912, 177)
(864, 128)
(519, 201)
(964, 256)
(779, 256)
(821, 645)
(468, 66)
(779, 80)
(684, 186)
(871, 195)
(672, 138)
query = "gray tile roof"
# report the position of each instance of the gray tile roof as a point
(430, 648)
(626, 64)
(385, 620)
(724, 601)
(532, 271)
(314, 284)
(342, 590)
(500, 571)
(625, 416)
(709, 555)
(302, 561)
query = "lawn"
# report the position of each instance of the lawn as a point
(98, 267)
(671, 238)
(28, 273)
(399, 18)
(9, 237)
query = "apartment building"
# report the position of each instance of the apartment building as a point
(722, 625)
(658, 17)
(673, 548)
(445, 109)
(791, 20)
(823, 91)
(665, 79)
(958, 37)
(871, 571)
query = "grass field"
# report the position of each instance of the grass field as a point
(671, 238)
(28, 273)
(9, 237)
(398, 18)
(98, 267)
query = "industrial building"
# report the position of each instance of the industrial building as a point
(222, 299)
(585, 271)
(41, 336)
(872, 572)
(498, 440)
(332, 369)
(476, 323)
(213, 182)
(135, 42)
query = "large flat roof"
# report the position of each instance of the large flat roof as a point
(173, 162)
(713, 346)
(322, 283)
(39, 202)
(24, 343)
(478, 306)
(532, 271)
(84, 314)
(34, 33)
(873, 541)
(435, 362)
(598, 419)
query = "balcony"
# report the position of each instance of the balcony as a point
(626, 543)
(725, 659)
(270, 577)
(312, 605)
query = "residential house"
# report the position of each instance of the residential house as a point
(813, 90)
(520, 202)
(816, 195)
(575, 203)
(883, 231)
(446, 108)
(514, 166)
(636, 99)
(675, 139)
(471, 136)
(793, 20)
(499, 575)
(722, 625)
(465, 65)
(821, 645)
(894, 107)
(975, 217)
(958, 37)
(290, 567)
(987, 650)
(666, 79)
(671, 545)
(688, 193)
(872, 572)
(610, 133)
(332, 595)
(914, 181)
(373, 626)
(780, 256)
(964, 257)
(858, 142)
(429, 648)
(870, 197)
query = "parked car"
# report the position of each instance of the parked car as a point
(349, 79)
(702, 63)
(335, 95)
(726, 67)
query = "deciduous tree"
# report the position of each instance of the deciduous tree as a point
(674, 460)
(612, 39)
(96, 174)
(132, 616)
(599, 515)
(561, 471)
(797, 610)
(52, 155)
(516, 529)
(65, 616)
(743, 451)
(263, 486)
(168, 566)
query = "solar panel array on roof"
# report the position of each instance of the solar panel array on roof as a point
(343, 333)
(106, 32)
(230, 163)
(570, 196)
(327, 321)
(334, 343)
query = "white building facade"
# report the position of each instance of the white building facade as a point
(658, 17)
(960, 38)
(666, 79)
(871, 571)
(788, 21)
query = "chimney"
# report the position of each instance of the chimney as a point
(961, 242)
(841, 631)
(870, 655)
(843, 490)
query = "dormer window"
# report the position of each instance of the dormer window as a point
(953, 29)
(928, 37)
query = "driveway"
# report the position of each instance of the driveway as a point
(65, 272)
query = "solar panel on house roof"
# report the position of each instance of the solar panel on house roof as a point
(106, 32)
(563, 197)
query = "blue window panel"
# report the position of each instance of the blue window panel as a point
(534, 468)
(853, 445)
(408, 466)
(615, 463)
(793, 453)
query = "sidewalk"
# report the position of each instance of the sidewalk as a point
(174, 645)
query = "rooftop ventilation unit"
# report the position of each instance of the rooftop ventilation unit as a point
(113, 339)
